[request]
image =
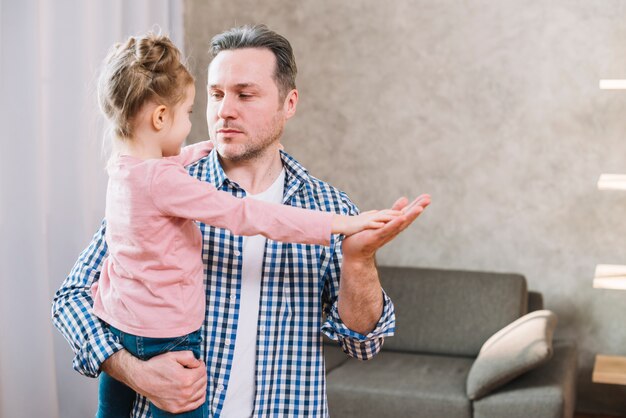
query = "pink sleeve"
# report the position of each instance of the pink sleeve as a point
(177, 194)
(192, 153)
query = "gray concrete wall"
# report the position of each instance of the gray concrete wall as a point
(494, 109)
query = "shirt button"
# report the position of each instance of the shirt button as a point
(261, 327)
(227, 341)
(220, 388)
(237, 253)
(233, 298)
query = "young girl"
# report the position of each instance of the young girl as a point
(151, 291)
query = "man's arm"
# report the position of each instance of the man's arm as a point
(360, 303)
(90, 340)
(359, 315)
(175, 382)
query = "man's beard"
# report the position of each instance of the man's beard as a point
(256, 147)
(252, 151)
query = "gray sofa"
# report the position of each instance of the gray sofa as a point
(451, 357)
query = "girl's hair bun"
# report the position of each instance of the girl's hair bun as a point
(144, 68)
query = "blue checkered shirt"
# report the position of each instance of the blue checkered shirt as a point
(298, 303)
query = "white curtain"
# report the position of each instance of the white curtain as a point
(52, 182)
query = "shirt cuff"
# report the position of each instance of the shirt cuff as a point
(356, 344)
(94, 352)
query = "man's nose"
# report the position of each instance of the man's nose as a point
(227, 108)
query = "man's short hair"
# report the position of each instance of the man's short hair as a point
(259, 36)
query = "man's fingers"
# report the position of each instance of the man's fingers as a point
(195, 405)
(197, 388)
(391, 212)
(400, 203)
(392, 228)
(194, 381)
(421, 201)
(198, 397)
(376, 225)
(187, 359)
(196, 378)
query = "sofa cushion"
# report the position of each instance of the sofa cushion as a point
(517, 348)
(549, 391)
(450, 312)
(400, 385)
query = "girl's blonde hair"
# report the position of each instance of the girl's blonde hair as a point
(144, 68)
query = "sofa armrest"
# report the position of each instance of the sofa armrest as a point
(517, 348)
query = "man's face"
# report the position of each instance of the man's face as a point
(244, 112)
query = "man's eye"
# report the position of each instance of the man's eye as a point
(215, 95)
(245, 95)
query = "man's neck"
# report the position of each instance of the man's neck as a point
(255, 175)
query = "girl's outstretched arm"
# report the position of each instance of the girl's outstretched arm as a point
(374, 219)
(174, 193)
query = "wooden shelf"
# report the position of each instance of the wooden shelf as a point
(609, 369)
(610, 276)
(612, 182)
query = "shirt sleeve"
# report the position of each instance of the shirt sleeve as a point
(88, 336)
(362, 347)
(192, 153)
(177, 194)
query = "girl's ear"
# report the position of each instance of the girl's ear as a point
(158, 117)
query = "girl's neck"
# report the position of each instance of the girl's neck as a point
(144, 150)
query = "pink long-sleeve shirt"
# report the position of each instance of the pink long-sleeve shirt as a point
(151, 283)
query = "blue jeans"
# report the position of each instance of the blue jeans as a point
(115, 399)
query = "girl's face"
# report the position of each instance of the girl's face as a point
(180, 124)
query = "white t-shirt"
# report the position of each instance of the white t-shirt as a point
(239, 402)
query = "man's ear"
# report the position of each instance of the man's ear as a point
(158, 117)
(290, 103)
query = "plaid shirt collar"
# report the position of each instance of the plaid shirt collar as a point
(295, 174)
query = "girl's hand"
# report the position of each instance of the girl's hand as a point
(374, 219)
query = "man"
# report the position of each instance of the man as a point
(267, 302)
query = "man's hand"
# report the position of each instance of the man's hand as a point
(175, 381)
(360, 301)
(363, 246)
